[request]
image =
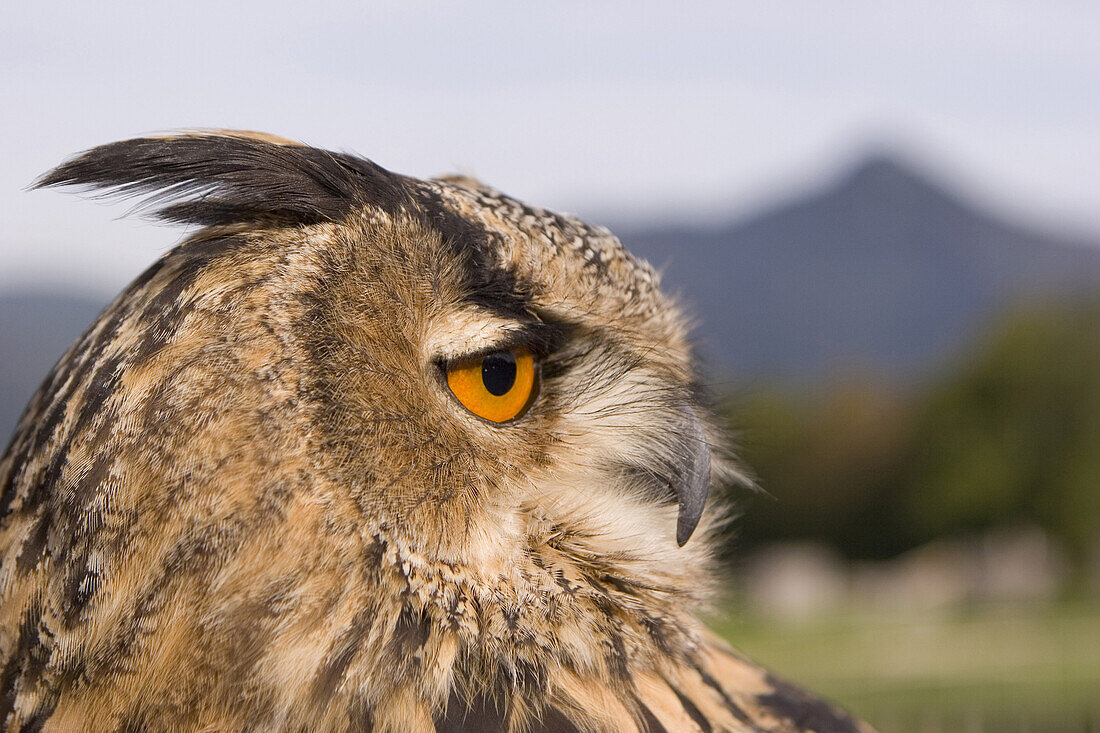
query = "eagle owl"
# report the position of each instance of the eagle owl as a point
(367, 453)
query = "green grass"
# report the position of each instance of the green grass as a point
(984, 669)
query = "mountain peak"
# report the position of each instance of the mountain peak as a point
(884, 181)
(886, 266)
(884, 171)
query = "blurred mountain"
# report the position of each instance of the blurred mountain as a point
(884, 271)
(36, 327)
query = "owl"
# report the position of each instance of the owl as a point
(368, 453)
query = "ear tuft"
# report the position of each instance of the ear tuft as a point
(218, 178)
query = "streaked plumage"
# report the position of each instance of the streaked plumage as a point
(245, 499)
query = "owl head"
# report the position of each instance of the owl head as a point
(356, 417)
(454, 360)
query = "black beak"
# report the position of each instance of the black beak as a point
(694, 478)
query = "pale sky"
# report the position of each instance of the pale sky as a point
(695, 111)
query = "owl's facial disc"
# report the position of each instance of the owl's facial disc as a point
(660, 443)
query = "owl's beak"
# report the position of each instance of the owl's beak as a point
(694, 483)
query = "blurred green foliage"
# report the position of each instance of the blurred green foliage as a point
(1032, 668)
(1008, 433)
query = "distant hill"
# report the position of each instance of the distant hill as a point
(884, 271)
(36, 327)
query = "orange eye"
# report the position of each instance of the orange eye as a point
(498, 386)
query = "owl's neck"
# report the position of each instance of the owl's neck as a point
(558, 603)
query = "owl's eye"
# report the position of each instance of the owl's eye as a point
(498, 386)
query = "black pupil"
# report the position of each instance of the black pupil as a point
(498, 372)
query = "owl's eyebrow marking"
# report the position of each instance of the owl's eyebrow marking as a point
(499, 293)
(542, 337)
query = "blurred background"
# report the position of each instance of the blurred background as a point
(885, 216)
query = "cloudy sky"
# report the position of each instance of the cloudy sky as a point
(686, 110)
